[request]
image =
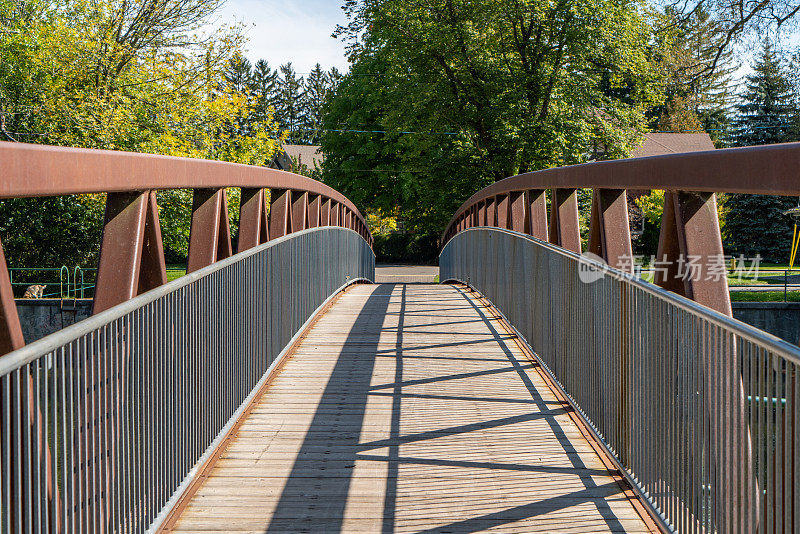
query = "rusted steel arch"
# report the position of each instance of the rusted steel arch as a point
(689, 227)
(41, 170)
(131, 253)
(760, 170)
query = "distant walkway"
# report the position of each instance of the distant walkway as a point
(405, 274)
(408, 409)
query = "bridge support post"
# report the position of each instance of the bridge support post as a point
(610, 232)
(536, 218)
(336, 210)
(314, 211)
(279, 213)
(517, 212)
(325, 212)
(690, 245)
(564, 225)
(491, 211)
(481, 213)
(253, 224)
(210, 233)
(502, 211)
(690, 250)
(11, 337)
(299, 212)
(131, 251)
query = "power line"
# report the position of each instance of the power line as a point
(371, 131)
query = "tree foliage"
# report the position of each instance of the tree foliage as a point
(768, 113)
(136, 76)
(451, 95)
(697, 98)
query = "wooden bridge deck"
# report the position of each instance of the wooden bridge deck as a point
(408, 408)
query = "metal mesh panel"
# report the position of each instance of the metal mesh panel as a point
(699, 409)
(102, 422)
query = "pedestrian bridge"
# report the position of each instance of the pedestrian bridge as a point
(279, 390)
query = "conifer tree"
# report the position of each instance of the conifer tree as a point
(755, 224)
(264, 87)
(317, 86)
(767, 112)
(238, 74)
(289, 111)
(699, 90)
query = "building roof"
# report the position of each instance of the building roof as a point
(309, 155)
(657, 144)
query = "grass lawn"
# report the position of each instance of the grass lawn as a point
(173, 273)
(764, 296)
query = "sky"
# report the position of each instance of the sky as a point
(290, 30)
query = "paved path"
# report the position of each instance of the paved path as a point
(408, 409)
(405, 274)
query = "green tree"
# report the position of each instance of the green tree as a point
(120, 76)
(316, 88)
(698, 97)
(755, 224)
(465, 93)
(264, 87)
(289, 108)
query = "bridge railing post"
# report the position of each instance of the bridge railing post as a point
(536, 221)
(564, 222)
(253, 223)
(210, 231)
(609, 229)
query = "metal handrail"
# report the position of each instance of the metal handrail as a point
(41, 170)
(663, 381)
(273, 204)
(104, 423)
(744, 330)
(729, 170)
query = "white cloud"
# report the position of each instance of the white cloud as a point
(291, 30)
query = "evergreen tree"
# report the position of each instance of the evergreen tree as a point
(264, 87)
(334, 78)
(289, 111)
(755, 224)
(238, 74)
(237, 78)
(317, 86)
(768, 110)
(699, 92)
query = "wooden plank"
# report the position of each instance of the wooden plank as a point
(404, 409)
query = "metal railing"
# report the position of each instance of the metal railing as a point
(701, 412)
(544, 204)
(103, 423)
(272, 204)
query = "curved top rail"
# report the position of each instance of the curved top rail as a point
(40, 170)
(766, 170)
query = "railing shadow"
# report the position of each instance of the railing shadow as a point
(328, 516)
(348, 448)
